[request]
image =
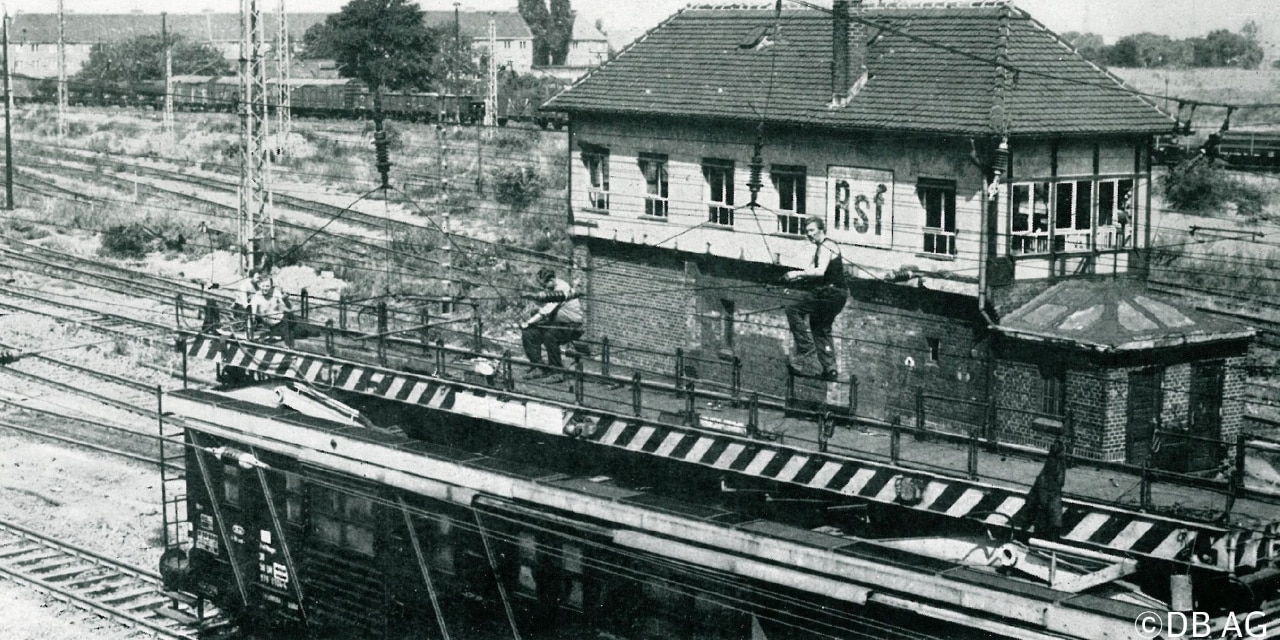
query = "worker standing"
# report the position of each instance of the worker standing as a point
(824, 296)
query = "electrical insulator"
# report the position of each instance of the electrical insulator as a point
(382, 152)
(757, 169)
(243, 459)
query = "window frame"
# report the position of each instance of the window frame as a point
(718, 175)
(943, 235)
(1089, 225)
(657, 196)
(596, 160)
(1053, 391)
(355, 533)
(793, 216)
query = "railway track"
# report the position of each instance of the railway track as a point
(377, 223)
(1268, 329)
(126, 594)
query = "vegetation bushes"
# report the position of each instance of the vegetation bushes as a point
(517, 186)
(131, 241)
(1202, 188)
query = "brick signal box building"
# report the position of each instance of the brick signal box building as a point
(965, 144)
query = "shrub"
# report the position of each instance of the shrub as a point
(518, 142)
(125, 241)
(1200, 187)
(517, 186)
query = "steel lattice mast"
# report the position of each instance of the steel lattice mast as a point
(254, 161)
(168, 79)
(62, 75)
(491, 97)
(284, 61)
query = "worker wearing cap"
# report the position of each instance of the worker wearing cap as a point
(558, 321)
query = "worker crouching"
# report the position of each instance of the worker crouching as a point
(557, 322)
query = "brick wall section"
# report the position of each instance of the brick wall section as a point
(665, 301)
(1098, 399)
(661, 301)
(645, 305)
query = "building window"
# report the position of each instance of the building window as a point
(1115, 202)
(727, 309)
(522, 43)
(938, 197)
(935, 349)
(1072, 215)
(789, 182)
(506, 44)
(1053, 391)
(342, 520)
(1030, 228)
(654, 168)
(718, 175)
(596, 160)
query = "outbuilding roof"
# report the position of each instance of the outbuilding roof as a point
(1115, 315)
(930, 68)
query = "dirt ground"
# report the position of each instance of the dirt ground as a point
(103, 503)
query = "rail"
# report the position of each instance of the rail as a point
(116, 590)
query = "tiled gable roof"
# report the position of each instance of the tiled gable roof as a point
(81, 28)
(692, 65)
(507, 25)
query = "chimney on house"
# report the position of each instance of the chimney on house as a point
(848, 53)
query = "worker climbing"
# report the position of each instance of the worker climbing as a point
(824, 296)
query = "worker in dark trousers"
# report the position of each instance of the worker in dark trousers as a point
(824, 296)
(558, 321)
(1043, 508)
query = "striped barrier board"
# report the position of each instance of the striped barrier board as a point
(1105, 528)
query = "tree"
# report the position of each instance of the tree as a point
(141, 58)
(535, 15)
(1221, 48)
(383, 43)
(561, 33)
(1089, 45)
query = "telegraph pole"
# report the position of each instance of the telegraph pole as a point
(168, 78)
(284, 60)
(253, 133)
(491, 98)
(8, 128)
(455, 62)
(62, 74)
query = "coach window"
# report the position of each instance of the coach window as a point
(231, 483)
(596, 159)
(342, 520)
(653, 166)
(292, 496)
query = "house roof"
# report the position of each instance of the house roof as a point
(930, 69)
(42, 28)
(585, 31)
(1114, 315)
(80, 28)
(507, 25)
